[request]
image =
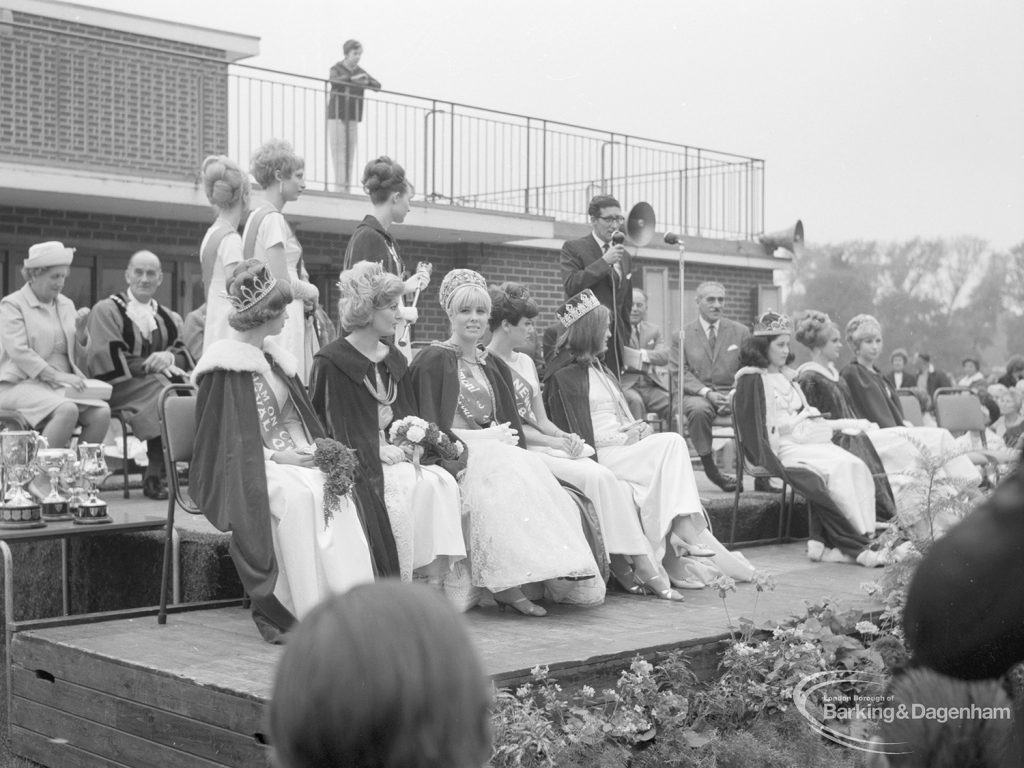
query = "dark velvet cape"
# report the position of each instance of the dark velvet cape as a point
(827, 523)
(871, 396)
(964, 615)
(567, 400)
(228, 478)
(832, 397)
(349, 412)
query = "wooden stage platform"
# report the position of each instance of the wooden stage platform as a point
(193, 693)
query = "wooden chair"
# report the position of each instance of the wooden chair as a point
(745, 467)
(959, 410)
(176, 409)
(911, 407)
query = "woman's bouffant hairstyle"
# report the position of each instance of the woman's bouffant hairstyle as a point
(275, 155)
(754, 351)
(224, 182)
(382, 178)
(585, 338)
(270, 307)
(860, 328)
(382, 676)
(467, 297)
(364, 289)
(512, 302)
(814, 329)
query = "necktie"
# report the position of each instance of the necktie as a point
(634, 340)
(712, 338)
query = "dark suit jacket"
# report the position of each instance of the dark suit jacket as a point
(909, 379)
(658, 357)
(701, 368)
(583, 267)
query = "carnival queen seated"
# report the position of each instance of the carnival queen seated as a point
(782, 433)
(583, 396)
(253, 469)
(521, 526)
(360, 387)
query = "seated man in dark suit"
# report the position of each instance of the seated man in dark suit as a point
(711, 357)
(645, 381)
(596, 263)
(930, 379)
(899, 377)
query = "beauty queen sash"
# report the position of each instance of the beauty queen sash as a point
(523, 392)
(476, 403)
(276, 436)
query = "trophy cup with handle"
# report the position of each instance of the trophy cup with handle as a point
(53, 461)
(18, 452)
(92, 467)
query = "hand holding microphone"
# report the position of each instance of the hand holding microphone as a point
(617, 250)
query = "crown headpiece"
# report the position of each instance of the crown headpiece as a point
(576, 307)
(252, 290)
(771, 323)
(456, 279)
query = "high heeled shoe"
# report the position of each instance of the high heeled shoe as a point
(652, 587)
(695, 550)
(522, 605)
(627, 580)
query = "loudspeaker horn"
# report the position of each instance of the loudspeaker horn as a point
(640, 224)
(784, 238)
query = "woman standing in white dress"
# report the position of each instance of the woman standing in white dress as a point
(582, 395)
(267, 236)
(228, 189)
(253, 469)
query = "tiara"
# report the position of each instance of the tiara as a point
(456, 279)
(576, 307)
(253, 290)
(771, 323)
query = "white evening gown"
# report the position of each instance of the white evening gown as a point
(521, 526)
(315, 559)
(659, 472)
(846, 477)
(218, 308)
(425, 513)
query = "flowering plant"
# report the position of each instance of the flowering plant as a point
(338, 463)
(416, 432)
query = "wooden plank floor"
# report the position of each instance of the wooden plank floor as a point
(193, 692)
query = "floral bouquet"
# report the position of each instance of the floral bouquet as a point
(338, 462)
(419, 434)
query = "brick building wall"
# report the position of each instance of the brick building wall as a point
(105, 241)
(80, 95)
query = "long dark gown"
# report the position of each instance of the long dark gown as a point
(833, 398)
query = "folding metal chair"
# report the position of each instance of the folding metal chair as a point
(788, 499)
(959, 410)
(176, 409)
(911, 407)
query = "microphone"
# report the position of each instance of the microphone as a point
(618, 238)
(671, 238)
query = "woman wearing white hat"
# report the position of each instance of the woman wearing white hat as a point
(41, 338)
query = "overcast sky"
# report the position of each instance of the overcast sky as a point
(882, 119)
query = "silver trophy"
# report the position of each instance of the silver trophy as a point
(92, 467)
(18, 452)
(54, 461)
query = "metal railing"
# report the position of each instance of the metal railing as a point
(487, 159)
(97, 102)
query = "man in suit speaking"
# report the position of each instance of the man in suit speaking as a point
(645, 381)
(711, 357)
(595, 262)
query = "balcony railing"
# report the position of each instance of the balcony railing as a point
(481, 158)
(76, 99)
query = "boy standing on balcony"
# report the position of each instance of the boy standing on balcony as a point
(345, 111)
